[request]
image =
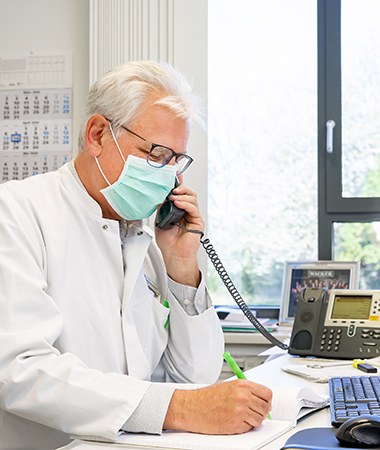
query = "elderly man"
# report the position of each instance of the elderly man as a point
(99, 318)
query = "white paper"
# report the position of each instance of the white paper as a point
(252, 440)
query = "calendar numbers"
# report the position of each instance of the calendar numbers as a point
(35, 131)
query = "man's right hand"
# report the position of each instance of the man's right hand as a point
(230, 407)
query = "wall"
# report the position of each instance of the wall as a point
(45, 25)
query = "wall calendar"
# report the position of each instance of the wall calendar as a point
(35, 116)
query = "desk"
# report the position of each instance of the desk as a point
(269, 374)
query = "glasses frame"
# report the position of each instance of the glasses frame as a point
(166, 160)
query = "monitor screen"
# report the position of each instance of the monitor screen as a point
(351, 307)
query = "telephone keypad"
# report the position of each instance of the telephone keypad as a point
(331, 339)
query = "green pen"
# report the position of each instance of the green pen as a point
(166, 304)
(236, 370)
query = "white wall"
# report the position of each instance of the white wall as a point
(45, 25)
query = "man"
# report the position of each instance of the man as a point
(95, 309)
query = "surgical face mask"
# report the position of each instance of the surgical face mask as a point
(140, 187)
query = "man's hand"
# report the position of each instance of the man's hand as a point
(179, 247)
(231, 407)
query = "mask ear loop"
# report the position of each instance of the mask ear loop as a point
(117, 145)
(101, 171)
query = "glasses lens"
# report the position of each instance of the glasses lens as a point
(160, 156)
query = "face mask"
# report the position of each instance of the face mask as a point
(140, 187)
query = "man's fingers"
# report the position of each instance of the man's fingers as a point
(224, 408)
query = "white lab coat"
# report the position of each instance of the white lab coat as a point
(71, 326)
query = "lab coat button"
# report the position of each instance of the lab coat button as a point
(186, 301)
(105, 227)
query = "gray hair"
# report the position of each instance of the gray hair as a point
(120, 93)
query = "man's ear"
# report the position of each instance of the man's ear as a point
(96, 131)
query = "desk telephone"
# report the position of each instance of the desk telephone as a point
(345, 326)
(167, 217)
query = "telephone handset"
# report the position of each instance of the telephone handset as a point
(167, 217)
(345, 326)
(169, 214)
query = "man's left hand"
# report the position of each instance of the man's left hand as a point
(179, 247)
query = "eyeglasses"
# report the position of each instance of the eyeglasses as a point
(159, 155)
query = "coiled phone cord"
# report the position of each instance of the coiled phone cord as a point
(222, 272)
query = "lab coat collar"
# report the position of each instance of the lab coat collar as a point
(79, 194)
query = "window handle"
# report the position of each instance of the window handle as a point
(330, 124)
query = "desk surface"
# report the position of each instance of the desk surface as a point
(271, 375)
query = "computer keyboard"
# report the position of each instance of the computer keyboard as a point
(353, 396)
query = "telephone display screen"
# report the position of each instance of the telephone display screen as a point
(351, 307)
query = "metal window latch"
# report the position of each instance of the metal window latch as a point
(330, 124)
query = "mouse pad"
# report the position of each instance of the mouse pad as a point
(317, 439)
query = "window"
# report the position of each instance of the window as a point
(278, 70)
(349, 205)
(262, 142)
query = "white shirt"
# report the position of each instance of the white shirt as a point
(72, 325)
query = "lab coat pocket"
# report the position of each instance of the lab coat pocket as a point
(157, 333)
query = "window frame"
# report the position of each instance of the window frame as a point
(332, 207)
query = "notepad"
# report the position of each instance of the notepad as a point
(288, 406)
(252, 440)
